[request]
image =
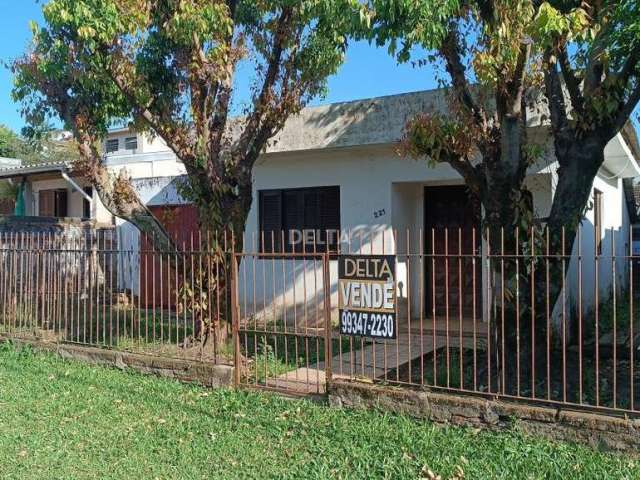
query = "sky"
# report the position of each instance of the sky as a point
(14, 28)
(367, 72)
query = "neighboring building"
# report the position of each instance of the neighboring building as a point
(53, 190)
(335, 167)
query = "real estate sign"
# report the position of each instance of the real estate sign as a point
(367, 295)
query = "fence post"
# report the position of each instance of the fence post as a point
(328, 355)
(235, 320)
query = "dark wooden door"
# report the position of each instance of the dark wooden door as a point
(452, 237)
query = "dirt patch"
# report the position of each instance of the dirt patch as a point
(585, 381)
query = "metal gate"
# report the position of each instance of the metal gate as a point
(281, 321)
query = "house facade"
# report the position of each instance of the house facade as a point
(336, 168)
(387, 204)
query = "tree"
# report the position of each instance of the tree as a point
(591, 50)
(501, 58)
(498, 57)
(11, 145)
(488, 69)
(490, 77)
(168, 66)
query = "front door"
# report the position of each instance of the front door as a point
(452, 242)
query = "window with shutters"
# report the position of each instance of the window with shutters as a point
(300, 219)
(52, 203)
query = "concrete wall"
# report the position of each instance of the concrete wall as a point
(615, 243)
(558, 423)
(146, 165)
(150, 172)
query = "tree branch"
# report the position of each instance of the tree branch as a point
(570, 79)
(630, 66)
(201, 84)
(468, 172)
(265, 98)
(555, 96)
(222, 100)
(177, 138)
(628, 70)
(291, 92)
(518, 75)
(562, 130)
(594, 70)
(117, 195)
(450, 51)
(627, 109)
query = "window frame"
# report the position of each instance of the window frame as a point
(130, 139)
(112, 141)
(264, 244)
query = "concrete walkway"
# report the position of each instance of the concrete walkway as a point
(374, 360)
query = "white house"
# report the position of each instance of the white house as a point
(391, 204)
(336, 167)
(341, 161)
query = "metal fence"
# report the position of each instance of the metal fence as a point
(104, 289)
(513, 314)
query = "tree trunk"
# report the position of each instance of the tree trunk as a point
(122, 201)
(526, 338)
(508, 207)
(579, 164)
(223, 211)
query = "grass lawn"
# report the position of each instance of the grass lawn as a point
(61, 419)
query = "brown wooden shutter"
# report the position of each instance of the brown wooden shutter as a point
(293, 218)
(312, 221)
(270, 219)
(46, 203)
(86, 205)
(300, 210)
(330, 215)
